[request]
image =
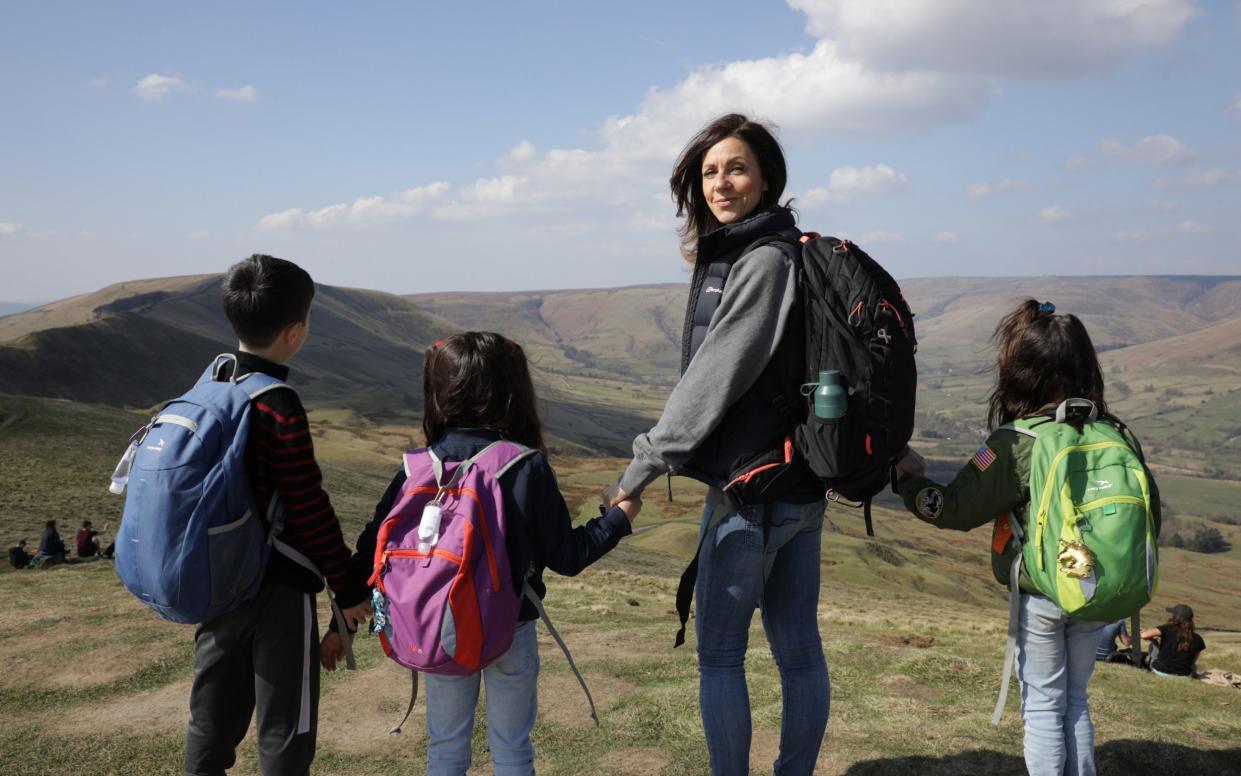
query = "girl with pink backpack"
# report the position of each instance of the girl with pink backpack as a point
(456, 551)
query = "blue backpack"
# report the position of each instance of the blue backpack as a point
(192, 545)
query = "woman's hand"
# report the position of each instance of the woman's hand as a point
(331, 650)
(613, 495)
(912, 465)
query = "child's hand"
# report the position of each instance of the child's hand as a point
(631, 506)
(331, 650)
(613, 495)
(356, 616)
(912, 464)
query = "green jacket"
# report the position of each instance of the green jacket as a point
(993, 487)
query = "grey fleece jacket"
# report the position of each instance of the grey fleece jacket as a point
(742, 337)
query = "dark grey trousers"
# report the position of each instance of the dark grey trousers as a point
(265, 656)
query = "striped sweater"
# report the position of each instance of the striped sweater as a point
(280, 459)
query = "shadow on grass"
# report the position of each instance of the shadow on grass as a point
(1133, 758)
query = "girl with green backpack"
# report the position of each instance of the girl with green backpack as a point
(1075, 512)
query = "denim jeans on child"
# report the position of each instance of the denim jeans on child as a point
(512, 683)
(1055, 658)
(737, 573)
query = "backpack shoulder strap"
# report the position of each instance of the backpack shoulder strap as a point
(534, 599)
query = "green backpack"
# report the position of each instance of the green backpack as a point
(1088, 538)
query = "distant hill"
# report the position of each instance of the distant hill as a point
(9, 308)
(604, 359)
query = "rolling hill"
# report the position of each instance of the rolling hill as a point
(604, 359)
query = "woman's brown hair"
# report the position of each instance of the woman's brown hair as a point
(479, 379)
(1184, 632)
(1042, 359)
(686, 180)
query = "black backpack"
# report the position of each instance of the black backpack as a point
(857, 322)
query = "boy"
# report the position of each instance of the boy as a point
(265, 652)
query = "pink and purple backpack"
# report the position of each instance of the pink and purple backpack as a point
(444, 595)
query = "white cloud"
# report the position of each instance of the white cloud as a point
(847, 184)
(1003, 38)
(156, 87)
(199, 234)
(485, 198)
(99, 83)
(1155, 149)
(1190, 226)
(880, 236)
(985, 189)
(9, 230)
(810, 94)
(1054, 214)
(245, 93)
(946, 237)
(1078, 162)
(363, 210)
(1128, 235)
(1201, 179)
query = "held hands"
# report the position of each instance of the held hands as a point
(614, 496)
(912, 464)
(356, 616)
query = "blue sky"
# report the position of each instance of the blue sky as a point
(418, 147)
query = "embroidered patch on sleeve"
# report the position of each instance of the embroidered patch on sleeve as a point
(983, 458)
(930, 502)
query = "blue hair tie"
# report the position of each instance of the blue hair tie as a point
(1046, 308)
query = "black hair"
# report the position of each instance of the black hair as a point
(1042, 359)
(86, 524)
(686, 180)
(263, 296)
(50, 524)
(479, 379)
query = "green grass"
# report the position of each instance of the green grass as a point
(912, 625)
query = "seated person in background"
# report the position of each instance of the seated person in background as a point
(1107, 650)
(87, 540)
(18, 557)
(51, 547)
(1178, 644)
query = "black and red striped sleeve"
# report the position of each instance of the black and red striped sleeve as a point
(280, 429)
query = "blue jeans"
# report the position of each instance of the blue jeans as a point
(1055, 658)
(736, 575)
(512, 683)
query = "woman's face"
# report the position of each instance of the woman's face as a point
(732, 182)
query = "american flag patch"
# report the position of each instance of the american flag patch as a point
(983, 458)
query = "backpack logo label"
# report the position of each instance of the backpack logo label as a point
(157, 448)
(713, 290)
(1099, 485)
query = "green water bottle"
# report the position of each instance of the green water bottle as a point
(831, 398)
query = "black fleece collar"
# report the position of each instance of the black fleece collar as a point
(732, 236)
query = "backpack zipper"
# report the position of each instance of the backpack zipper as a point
(1049, 486)
(884, 304)
(492, 567)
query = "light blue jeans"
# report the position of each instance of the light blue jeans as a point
(1055, 658)
(736, 575)
(512, 684)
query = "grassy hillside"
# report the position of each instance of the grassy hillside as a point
(912, 623)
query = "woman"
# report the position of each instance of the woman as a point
(1176, 645)
(728, 416)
